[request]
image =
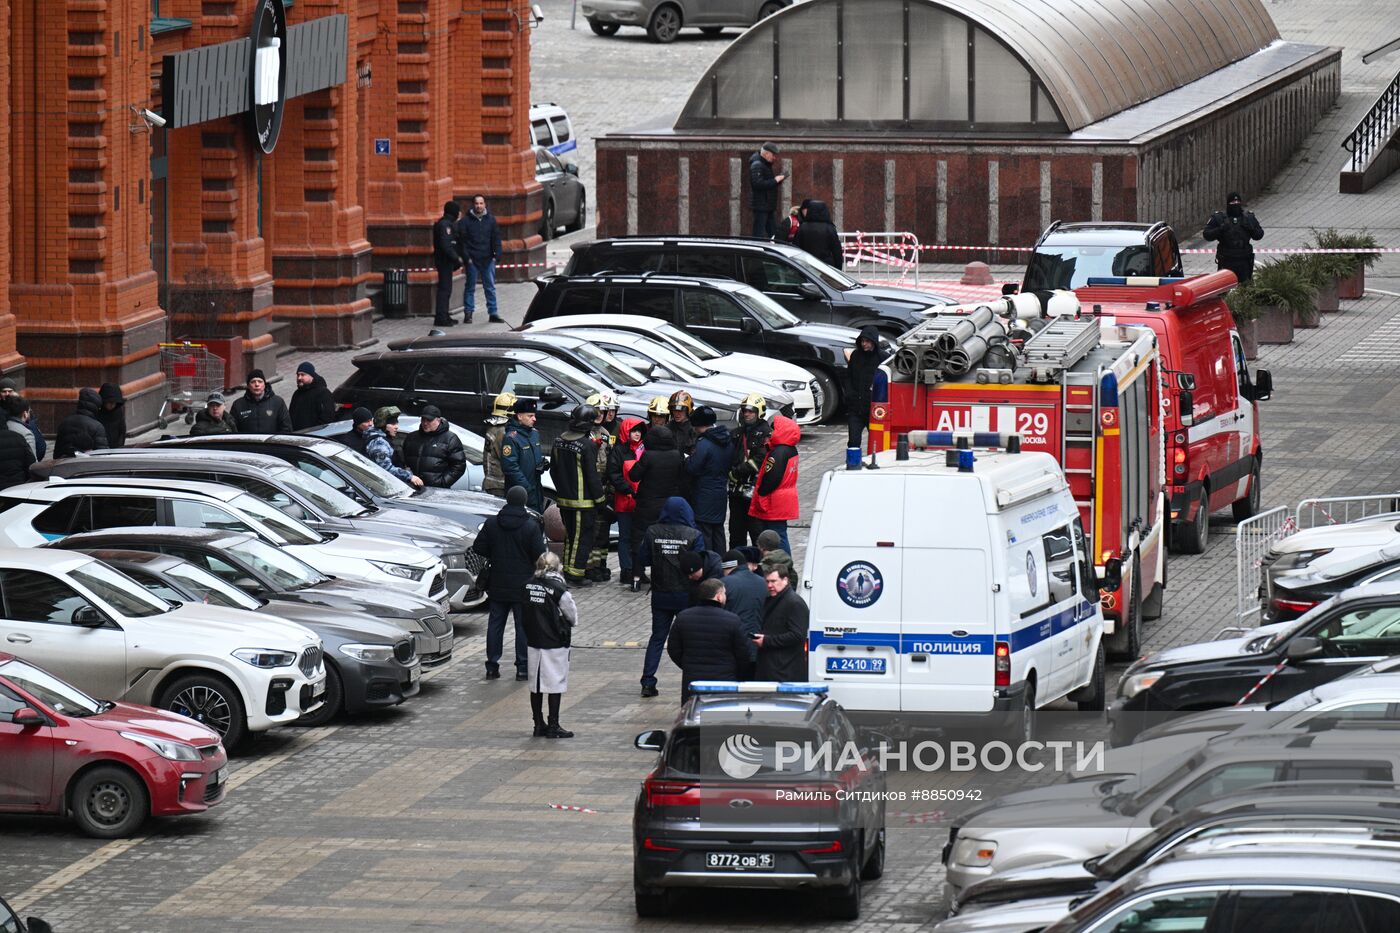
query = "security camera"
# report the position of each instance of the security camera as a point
(539, 14)
(153, 119)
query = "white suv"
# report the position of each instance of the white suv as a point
(34, 513)
(234, 671)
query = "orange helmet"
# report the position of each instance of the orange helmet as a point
(682, 400)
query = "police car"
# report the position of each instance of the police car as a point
(759, 785)
(953, 587)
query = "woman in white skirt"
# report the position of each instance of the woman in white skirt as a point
(550, 617)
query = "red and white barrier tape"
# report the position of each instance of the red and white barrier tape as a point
(1210, 250)
(1262, 681)
(562, 806)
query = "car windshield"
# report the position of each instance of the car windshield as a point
(324, 497)
(765, 308)
(281, 569)
(569, 379)
(610, 367)
(211, 589)
(362, 470)
(820, 270)
(283, 527)
(688, 342)
(1067, 266)
(55, 694)
(119, 591)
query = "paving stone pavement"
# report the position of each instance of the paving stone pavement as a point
(436, 816)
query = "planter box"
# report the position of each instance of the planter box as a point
(1328, 298)
(1308, 318)
(1354, 286)
(1249, 338)
(1274, 326)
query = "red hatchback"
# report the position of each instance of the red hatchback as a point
(108, 765)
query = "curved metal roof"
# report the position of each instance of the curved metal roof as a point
(1095, 58)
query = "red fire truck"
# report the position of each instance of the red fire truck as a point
(1086, 391)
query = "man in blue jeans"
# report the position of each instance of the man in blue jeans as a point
(480, 244)
(673, 534)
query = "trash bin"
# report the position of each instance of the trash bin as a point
(395, 294)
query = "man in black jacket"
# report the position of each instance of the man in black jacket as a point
(659, 474)
(511, 541)
(361, 422)
(763, 198)
(861, 364)
(744, 595)
(664, 548)
(15, 459)
(81, 431)
(259, 410)
(1232, 229)
(479, 240)
(750, 447)
(113, 414)
(312, 404)
(446, 260)
(433, 452)
(573, 465)
(707, 641)
(818, 236)
(782, 645)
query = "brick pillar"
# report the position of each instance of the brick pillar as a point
(416, 83)
(220, 284)
(11, 363)
(82, 288)
(315, 223)
(491, 128)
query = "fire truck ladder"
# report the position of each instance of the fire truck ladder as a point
(1081, 394)
(1062, 343)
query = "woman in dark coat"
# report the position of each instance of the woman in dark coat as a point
(81, 431)
(658, 474)
(113, 414)
(818, 236)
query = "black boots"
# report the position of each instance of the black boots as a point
(599, 574)
(554, 730)
(537, 709)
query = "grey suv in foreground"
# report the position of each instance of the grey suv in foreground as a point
(664, 19)
(724, 809)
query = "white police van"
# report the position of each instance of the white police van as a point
(551, 128)
(953, 587)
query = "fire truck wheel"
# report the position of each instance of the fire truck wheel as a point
(1191, 537)
(1126, 641)
(830, 393)
(1248, 507)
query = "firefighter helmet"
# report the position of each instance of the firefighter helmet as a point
(681, 400)
(582, 417)
(658, 406)
(603, 401)
(504, 405)
(755, 403)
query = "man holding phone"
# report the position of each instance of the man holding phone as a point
(763, 198)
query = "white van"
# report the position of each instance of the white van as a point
(551, 128)
(952, 585)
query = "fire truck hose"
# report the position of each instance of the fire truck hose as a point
(970, 353)
(963, 330)
(907, 361)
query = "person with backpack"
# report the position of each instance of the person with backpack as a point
(550, 618)
(663, 545)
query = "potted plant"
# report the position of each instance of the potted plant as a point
(1352, 286)
(1283, 293)
(1242, 306)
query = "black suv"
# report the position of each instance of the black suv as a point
(793, 277)
(728, 314)
(1068, 255)
(725, 807)
(464, 383)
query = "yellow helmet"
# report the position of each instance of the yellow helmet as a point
(603, 401)
(658, 406)
(682, 400)
(505, 404)
(755, 402)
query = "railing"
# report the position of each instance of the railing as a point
(1255, 536)
(1376, 127)
(883, 252)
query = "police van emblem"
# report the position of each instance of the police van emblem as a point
(859, 584)
(1030, 572)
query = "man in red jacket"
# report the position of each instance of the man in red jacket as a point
(774, 501)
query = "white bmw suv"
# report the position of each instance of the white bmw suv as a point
(236, 672)
(35, 513)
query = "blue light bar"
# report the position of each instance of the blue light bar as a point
(755, 686)
(1141, 281)
(982, 439)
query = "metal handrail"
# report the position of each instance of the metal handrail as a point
(1375, 128)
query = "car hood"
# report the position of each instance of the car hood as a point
(708, 390)
(367, 547)
(1370, 534)
(1022, 917)
(350, 596)
(1057, 879)
(327, 622)
(395, 526)
(1209, 722)
(890, 293)
(232, 624)
(129, 717)
(831, 334)
(761, 368)
(1207, 650)
(1149, 756)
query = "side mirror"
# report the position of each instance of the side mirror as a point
(571, 168)
(88, 617)
(1301, 649)
(295, 511)
(1112, 577)
(1161, 815)
(810, 292)
(1186, 404)
(749, 327)
(551, 395)
(247, 584)
(651, 741)
(1263, 385)
(1186, 381)
(1010, 288)
(28, 716)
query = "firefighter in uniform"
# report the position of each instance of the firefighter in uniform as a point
(658, 412)
(522, 460)
(578, 490)
(494, 481)
(604, 435)
(681, 405)
(751, 444)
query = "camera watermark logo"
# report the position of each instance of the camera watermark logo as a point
(740, 756)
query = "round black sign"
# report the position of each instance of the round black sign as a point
(267, 72)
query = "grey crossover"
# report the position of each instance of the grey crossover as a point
(664, 19)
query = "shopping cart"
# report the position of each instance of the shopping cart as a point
(191, 373)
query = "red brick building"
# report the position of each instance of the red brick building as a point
(124, 233)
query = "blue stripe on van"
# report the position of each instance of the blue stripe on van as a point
(561, 148)
(950, 644)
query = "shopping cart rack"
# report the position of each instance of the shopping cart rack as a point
(191, 373)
